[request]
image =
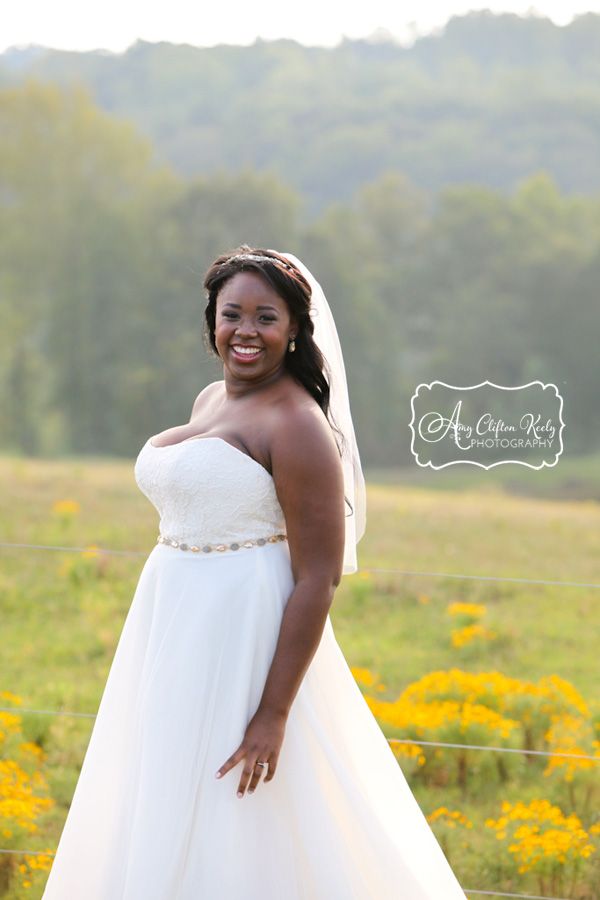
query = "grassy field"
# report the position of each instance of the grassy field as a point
(62, 614)
(572, 478)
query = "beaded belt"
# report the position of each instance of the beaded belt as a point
(208, 548)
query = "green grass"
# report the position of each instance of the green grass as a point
(540, 627)
(62, 614)
(572, 478)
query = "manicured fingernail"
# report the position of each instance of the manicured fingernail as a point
(240, 794)
(251, 791)
(218, 775)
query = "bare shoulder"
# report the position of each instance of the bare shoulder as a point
(309, 481)
(302, 441)
(210, 392)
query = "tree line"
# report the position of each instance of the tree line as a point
(103, 250)
(489, 100)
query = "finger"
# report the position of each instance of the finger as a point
(272, 767)
(231, 762)
(258, 771)
(247, 773)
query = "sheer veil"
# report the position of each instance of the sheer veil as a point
(327, 340)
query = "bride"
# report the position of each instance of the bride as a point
(233, 756)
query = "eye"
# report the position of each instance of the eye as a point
(268, 318)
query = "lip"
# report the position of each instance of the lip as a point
(243, 357)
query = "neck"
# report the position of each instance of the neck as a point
(238, 388)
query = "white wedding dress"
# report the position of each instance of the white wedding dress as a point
(149, 821)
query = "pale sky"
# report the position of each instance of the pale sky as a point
(116, 24)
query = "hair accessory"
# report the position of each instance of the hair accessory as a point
(255, 257)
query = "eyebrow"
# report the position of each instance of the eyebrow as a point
(238, 306)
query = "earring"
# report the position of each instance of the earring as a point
(292, 345)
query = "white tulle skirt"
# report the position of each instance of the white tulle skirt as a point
(149, 821)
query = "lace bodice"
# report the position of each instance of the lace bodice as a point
(206, 490)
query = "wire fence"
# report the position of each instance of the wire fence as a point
(89, 550)
(46, 712)
(519, 896)
(496, 578)
(519, 750)
(100, 551)
(466, 890)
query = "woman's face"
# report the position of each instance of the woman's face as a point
(252, 327)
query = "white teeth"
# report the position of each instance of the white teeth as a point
(247, 351)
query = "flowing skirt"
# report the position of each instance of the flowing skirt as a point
(149, 821)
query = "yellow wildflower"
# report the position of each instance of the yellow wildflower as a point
(67, 508)
(23, 789)
(566, 735)
(450, 817)
(462, 636)
(364, 676)
(473, 610)
(90, 552)
(546, 833)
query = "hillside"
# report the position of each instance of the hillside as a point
(490, 99)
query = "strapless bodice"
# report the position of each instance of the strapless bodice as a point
(207, 491)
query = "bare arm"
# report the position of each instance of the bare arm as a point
(309, 482)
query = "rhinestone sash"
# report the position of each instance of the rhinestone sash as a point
(208, 548)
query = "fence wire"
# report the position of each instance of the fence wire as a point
(519, 896)
(418, 742)
(96, 551)
(100, 551)
(466, 891)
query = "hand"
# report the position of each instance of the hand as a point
(262, 743)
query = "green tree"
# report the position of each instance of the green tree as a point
(78, 191)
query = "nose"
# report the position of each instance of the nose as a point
(246, 327)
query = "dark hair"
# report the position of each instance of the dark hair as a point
(306, 364)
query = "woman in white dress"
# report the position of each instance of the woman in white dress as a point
(233, 756)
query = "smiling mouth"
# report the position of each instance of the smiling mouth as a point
(246, 352)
